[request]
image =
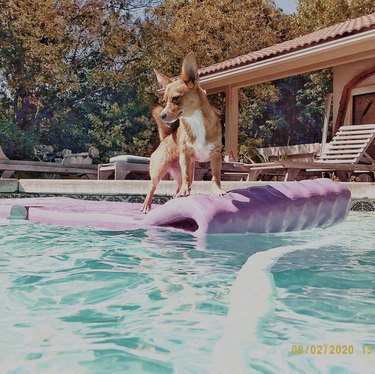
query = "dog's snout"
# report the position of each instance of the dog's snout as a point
(163, 116)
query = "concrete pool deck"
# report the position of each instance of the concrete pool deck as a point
(363, 194)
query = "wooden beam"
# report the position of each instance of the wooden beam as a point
(215, 90)
(231, 123)
(337, 52)
(327, 113)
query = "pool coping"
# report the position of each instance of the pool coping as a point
(363, 194)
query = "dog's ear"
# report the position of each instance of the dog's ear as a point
(162, 78)
(189, 71)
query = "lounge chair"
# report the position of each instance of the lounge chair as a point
(237, 171)
(351, 145)
(300, 152)
(8, 167)
(121, 166)
(352, 150)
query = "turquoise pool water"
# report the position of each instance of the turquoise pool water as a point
(88, 301)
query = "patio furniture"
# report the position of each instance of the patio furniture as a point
(8, 167)
(352, 144)
(300, 152)
(121, 166)
(352, 150)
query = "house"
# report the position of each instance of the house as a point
(347, 47)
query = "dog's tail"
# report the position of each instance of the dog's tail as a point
(164, 128)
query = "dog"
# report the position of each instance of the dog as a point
(198, 137)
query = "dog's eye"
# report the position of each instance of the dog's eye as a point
(162, 102)
(175, 99)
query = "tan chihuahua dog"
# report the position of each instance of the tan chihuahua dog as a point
(198, 138)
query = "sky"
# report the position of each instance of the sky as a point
(288, 6)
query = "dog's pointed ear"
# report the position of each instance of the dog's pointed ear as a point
(162, 78)
(189, 71)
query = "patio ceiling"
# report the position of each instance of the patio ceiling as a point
(346, 42)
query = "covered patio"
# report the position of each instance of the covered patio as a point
(347, 47)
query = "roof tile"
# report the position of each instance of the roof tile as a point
(346, 28)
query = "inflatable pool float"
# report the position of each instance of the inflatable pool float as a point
(277, 207)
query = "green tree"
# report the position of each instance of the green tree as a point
(75, 73)
(316, 14)
(60, 58)
(214, 30)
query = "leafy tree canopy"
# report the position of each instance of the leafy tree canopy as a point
(316, 14)
(75, 73)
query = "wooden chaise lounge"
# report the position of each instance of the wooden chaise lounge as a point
(8, 167)
(352, 150)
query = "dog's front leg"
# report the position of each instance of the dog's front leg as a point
(185, 165)
(216, 172)
(158, 168)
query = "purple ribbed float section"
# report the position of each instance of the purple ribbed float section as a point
(277, 207)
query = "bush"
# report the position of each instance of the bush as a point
(16, 143)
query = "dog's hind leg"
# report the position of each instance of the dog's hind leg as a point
(191, 173)
(175, 172)
(216, 172)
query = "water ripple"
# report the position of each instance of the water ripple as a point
(87, 301)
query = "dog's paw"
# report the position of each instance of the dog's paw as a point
(183, 194)
(218, 192)
(184, 191)
(176, 194)
(145, 208)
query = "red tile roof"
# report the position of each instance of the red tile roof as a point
(343, 29)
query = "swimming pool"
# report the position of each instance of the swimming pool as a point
(87, 301)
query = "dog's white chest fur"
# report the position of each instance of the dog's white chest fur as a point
(202, 149)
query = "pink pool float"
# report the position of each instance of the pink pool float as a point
(277, 207)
